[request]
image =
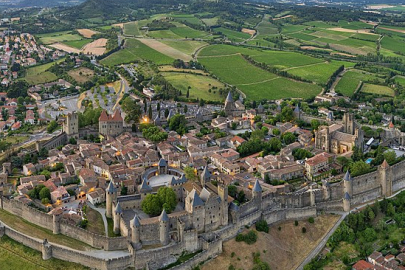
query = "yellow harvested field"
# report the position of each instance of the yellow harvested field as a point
(342, 54)
(314, 48)
(360, 31)
(96, 47)
(65, 48)
(165, 49)
(282, 249)
(87, 33)
(248, 31)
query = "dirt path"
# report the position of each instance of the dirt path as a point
(310, 65)
(272, 79)
(338, 78)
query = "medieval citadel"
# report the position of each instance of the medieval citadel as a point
(207, 215)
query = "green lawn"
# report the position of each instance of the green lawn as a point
(14, 255)
(351, 79)
(377, 89)
(58, 37)
(33, 230)
(200, 85)
(135, 50)
(400, 80)
(78, 44)
(132, 29)
(393, 44)
(187, 47)
(187, 32)
(39, 74)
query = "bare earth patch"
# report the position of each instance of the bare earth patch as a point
(81, 75)
(165, 49)
(96, 47)
(393, 30)
(282, 250)
(284, 17)
(87, 33)
(343, 54)
(248, 31)
(352, 50)
(360, 31)
(120, 25)
(379, 6)
(173, 69)
(314, 48)
(65, 48)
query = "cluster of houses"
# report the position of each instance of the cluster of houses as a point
(377, 261)
(21, 49)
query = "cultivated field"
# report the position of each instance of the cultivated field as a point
(188, 47)
(132, 29)
(282, 249)
(165, 49)
(377, 89)
(78, 44)
(135, 50)
(81, 75)
(96, 47)
(200, 85)
(350, 81)
(58, 37)
(39, 74)
(65, 48)
(87, 33)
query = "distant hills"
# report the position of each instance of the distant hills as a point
(38, 3)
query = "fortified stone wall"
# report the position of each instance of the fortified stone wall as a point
(157, 256)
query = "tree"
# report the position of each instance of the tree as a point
(359, 168)
(288, 138)
(390, 157)
(45, 193)
(314, 124)
(46, 173)
(301, 153)
(153, 204)
(131, 109)
(276, 132)
(232, 191)
(257, 134)
(150, 112)
(52, 126)
(190, 175)
(185, 108)
(188, 92)
(287, 114)
(178, 123)
(154, 133)
(72, 141)
(43, 152)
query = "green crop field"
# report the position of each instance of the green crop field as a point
(132, 29)
(58, 37)
(210, 21)
(135, 50)
(284, 59)
(231, 34)
(400, 80)
(350, 81)
(377, 89)
(187, 47)
(356, 25)
(319, 24)
(78, 43)
(187, 32)
(290, 28)
(219, 50)
(199, 84)
(189, 18)
(393, 44)
(164, 34)
(254, 82)
(14, 255)
(267, 28)
(302, 36)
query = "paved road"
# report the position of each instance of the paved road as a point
(102, 212)
(321, 244)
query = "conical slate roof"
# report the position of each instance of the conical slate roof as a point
(118, 208)
(347, 196)
(206, 173)
(347, 176)
(135, 221)
(330, 116)
(257, 187)
(164, 217)
(111, 188)
(260, 107)
(297, 108)
(162, 162)
(145, 187)
(385, 165)
(229, 98)
(196, 200)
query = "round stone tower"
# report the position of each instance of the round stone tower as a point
(110, 197)
(117, 218)
(164, 228)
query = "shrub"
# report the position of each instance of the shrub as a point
(262, 226)
(279, 228)
(249, 238)
(311, 220)
(304, 230)
(231, 267)
(232, 254)
(296, 223)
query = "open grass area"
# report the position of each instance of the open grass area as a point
(96, 223)
(210, 21)
(220, 50)
(200, 85)
(189, 18)
(15, 139)
(39, 74)
(350, 81)
(33, 230)
(78, 44)
(281, 249)
(377, 89)
(132, 29)
(14, 255)
(285, 59)
(400, 80)
(394, 44)
(135, 50)
(58, 37)
(187, 32)
(163, 34)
